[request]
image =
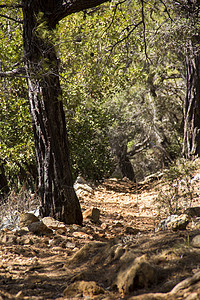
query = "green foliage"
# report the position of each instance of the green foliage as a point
(90, 152)
(16, 140)
(121, 82)
(102, 63)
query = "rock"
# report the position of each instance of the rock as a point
(56, 241)
(195, 223)
(9, 238)
(195, 178)
(174, 222)
(136, 274)
(193, 211)
(179, 224)
(54, 224)
(81, 187)
(91, 213)
(196, 241)
(80, 180)
(82, 235)
(83, 289)
(26, 219)
(70, 245)
(131, 230)
(39, 228)
(117, 224)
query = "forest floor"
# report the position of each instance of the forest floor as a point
(92, 261)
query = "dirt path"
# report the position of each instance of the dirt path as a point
(56, 267)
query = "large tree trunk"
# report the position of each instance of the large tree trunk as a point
(191, 142)
(58, 198)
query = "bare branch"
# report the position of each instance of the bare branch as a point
(139, 147)
(115, 10)
(120, 41)
(11, 6)
(12, 19)
(61, 9)
(166, 9)
(13, 73)
(144, 30)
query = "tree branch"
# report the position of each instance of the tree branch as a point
(144, 29)
(114, 13)
(11, 6)
(139, 147)
(61, 9)
(13, 73)
(120, 41)
(12, 19)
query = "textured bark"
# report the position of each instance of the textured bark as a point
(191, 142)
(58, 198)
(125, 164)
(4, 189)
(126, 168)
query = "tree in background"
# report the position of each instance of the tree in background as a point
(190, 12)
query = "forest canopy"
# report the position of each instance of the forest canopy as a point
(124, 75)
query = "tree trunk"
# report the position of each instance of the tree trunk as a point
(126, 168)
(191, 142)
(125, 164)
(4, 189)
(58, 198)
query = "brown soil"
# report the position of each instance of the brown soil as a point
(42, 267)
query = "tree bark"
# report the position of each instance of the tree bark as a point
(125, 164)
(4, 189)
(191, 142)
(58, 198)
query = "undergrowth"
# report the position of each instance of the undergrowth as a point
(178, 190)
(16, 203)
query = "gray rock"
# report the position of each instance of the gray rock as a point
(174, 222)
(54, 224)
(39, 228)
(193, 211)
(196, 241)
(25, 219)
(92, 213)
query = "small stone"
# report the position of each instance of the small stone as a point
(117, 224)
(61, 232)
(179, 224)
(131, 230)
(92, 213)
(10, 239)
(39, 228)
(104, 226)
(70, 245)
(193, 211)
(26, 219)
(28, 241)
(82, 235)
(54, 224)
(196, 241)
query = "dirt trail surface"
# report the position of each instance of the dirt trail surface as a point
(118, 257)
